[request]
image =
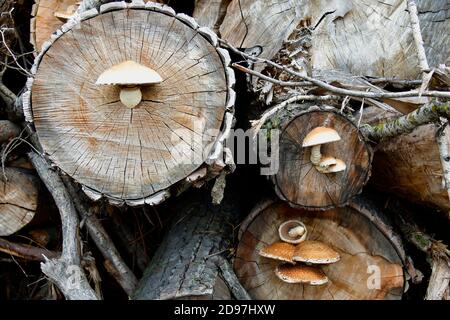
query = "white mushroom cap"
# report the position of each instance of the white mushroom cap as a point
(289, 231)
(320, 135)
(129, 73)
(338, 167)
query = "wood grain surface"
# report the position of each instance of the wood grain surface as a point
(130, 153)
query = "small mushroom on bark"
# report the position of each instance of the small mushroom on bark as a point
(315, 138)
(315, 252)
(292, 231)
(301, 274)
(282, 251)
(130, 76)
(327, 165)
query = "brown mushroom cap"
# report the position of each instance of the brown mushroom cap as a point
(320, 135)
(129, 73)
(285, 227)
(315, 252)
(279, 250)
(301, 274)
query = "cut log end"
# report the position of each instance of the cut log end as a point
(305, 185)
(128, 151)
(369, 267)
(18, 200)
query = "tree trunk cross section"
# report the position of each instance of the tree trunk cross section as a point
(119, 152)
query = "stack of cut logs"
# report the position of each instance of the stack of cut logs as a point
(130, 104)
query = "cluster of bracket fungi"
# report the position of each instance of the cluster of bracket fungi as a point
(301, 258)
(314, 139)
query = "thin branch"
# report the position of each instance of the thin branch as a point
(114, 262)
(428, 113)
(25, 251)
(270, 79)
(417, 35)
(2, 33)
(393, 81)
(66, 271)
(257, 124)
(231, 279)
(336, 90)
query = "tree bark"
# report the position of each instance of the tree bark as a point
(346, 229)
(65, 271)
(409, 165)
(185, 264)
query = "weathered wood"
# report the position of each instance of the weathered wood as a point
(210, 13)
(44, 22)
(114, 263)
(18, 199)
(184, 266)
(409, 165)
(65, 271)
(438, 254)
(128, 155)
(297, 181)
(365, 243)
(360, 37)
(25, 251)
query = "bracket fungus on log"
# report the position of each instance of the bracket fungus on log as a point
(132, 155)
(325, 185)
(363, 258)
(184, 266)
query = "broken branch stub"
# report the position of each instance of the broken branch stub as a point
(343, 165)
(131, 101)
